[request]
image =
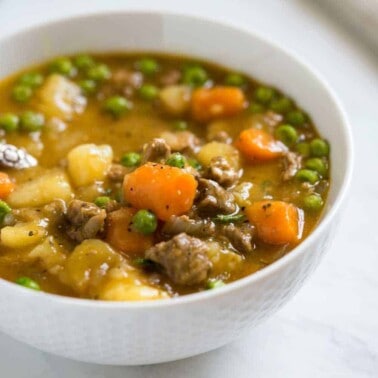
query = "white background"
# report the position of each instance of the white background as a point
(330, 329)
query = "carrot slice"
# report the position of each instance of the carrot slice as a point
(277, 222)
(163, 189)
(120, 235)
(211, 103)
(257, 144)
(6, 185)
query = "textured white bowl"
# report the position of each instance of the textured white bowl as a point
(152, 332)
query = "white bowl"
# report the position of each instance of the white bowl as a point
(166, 330)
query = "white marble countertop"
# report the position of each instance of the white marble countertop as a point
(330, 329)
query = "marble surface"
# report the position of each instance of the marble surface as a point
(330, 329)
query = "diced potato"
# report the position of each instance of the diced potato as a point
(88, 264)
(241, 194)
(175, 99)
(129, 289)
(214, 149)
(60, 97)
(88, 163)
(22, 235)
(223, 260)
(41, 190)
(50, 255)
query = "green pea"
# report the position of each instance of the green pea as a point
(319, 147)
(303, 148)
(281, 105)
(180, 125)
(31, 79)
(145, 222)
(102, 201)
(176, 160)
(214, 284)
(287, 134)
(31, 121)
(194, 75)
(194, 164)
(307, 175)
(9, 122)
(316, 164)
(296, 118)
(88, 86)
(235, 79)
(100, 72)
(313, 202)
(28, 282)
(255, 108)
(117, 105)
(84, 61)
(22, 93)
(4, 210)
(148, 92)
(62, 66)
(131, 159)
(264, 94)
(147, 66)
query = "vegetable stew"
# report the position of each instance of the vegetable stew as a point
(139, 177)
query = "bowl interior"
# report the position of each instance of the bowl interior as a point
(195, 37)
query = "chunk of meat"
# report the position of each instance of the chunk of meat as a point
(222, 172)
(85, 220)
(117, 172)
(184, 259)
(171, 77)
(181, 141)
(194, 227)
(240, 236)
(124, 82)
(291, 164)
(55, 211)
(156, 151)
(212, 199)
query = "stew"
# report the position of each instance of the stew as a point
(138, 177)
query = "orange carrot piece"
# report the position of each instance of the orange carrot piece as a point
(6, 185)
(257, 144)
(277, 222)
(211, 103)
(120, 235)
(163, 189)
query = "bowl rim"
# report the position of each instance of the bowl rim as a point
(256, 276)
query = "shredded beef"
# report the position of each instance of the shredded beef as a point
(184, 259)
(117, 172)
(85, 220)
(240, 236)
(182, 141)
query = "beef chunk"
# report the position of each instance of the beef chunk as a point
(117, 172)
(85, 220)
(221, 172)
(155, 151)
(184, 259)
(182, 141)
(195, 227)
(240, 236)
(291, 164)
(212, 199)
(171, 77)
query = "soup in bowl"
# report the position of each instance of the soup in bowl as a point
(146, 181)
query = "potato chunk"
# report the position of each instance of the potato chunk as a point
(223, 260)
(60, 97)
(88, 163)
(42, 190)
(22, 235)
(175, 99)
(215, 149)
